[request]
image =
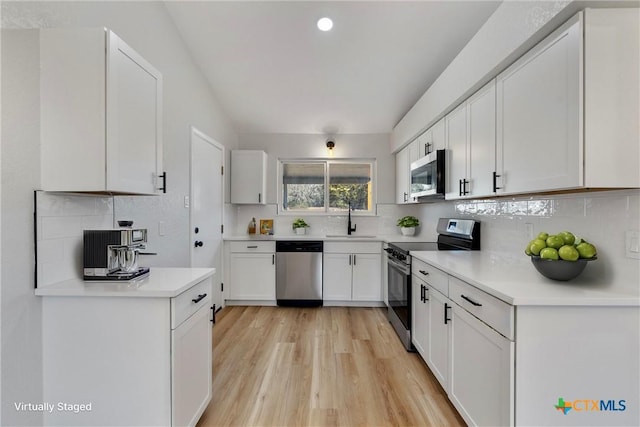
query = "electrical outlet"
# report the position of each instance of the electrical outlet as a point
(632, 244)
(529, 230)
(186, 201)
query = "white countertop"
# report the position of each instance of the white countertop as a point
(161, 283)
(353, 238)
(516, 281)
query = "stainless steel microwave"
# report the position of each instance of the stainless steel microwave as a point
(427, 177)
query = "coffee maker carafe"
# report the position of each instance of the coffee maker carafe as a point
(113, 254)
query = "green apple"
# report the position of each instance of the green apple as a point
(527, 251)
(568, 237)
(536, 246)
(542, 236)
(549, 253)
(555, 242)
(586, 250)
(568, 253)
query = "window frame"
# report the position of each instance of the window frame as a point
(327, 168)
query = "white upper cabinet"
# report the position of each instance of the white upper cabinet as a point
(481, 145)
(403, 177)
(456, 155)
(540, 116)
(612, 98)
(101, 114)
(248, 177)
(432, 139)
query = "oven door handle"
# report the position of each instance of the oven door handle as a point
(395, 264)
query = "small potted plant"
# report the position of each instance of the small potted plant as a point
(300, 226)
(408, 225)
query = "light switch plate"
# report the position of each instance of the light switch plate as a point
(632, 244)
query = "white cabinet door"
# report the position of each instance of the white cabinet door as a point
(456, 169)
(438, 339)
(420, 316)
(336, 273)
(134, 120)
(403, 176)
(248, 177)
(191, 379)
(367, 277)
(101, 114)
(253, 276)
(481, 151)
(539, 122)
(482, 378)
(438, 136)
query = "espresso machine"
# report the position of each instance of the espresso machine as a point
(113, 254)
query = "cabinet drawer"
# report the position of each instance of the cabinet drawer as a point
(353, 247)
(495, 313)
(184, 305)
(431, 275)
(245, 246)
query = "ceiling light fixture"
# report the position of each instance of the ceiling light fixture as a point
(330, 145)
(325, 24)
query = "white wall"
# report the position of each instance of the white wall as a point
(187, 101)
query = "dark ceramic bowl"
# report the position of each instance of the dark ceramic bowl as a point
(559, 269)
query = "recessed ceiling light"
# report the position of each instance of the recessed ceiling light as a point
(325, 24)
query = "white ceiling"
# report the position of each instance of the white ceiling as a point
(273, 71)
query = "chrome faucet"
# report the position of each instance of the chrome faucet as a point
(349, 229)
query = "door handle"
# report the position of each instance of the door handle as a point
(495, 181)
(446, 308)
(164, 182)
(424, 273)
(349, 259)
(466, 298)
(354, 259)
(198, 244)
(259, 197)
(422, 293)
(273, 259)
(425, 294)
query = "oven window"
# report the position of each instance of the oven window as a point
(399, 298)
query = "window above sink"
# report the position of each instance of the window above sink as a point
(325, 187)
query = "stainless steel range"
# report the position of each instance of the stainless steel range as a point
(453, 234)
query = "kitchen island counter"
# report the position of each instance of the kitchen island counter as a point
(160, 283)
(516, 282)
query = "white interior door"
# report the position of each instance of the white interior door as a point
(207, 198)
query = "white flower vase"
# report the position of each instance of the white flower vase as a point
(408, 231)
(301, 230)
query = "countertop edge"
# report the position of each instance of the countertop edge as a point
(185, 279)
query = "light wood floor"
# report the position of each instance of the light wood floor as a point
(329, 366)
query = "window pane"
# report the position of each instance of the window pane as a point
(350, 182)
(303, 186)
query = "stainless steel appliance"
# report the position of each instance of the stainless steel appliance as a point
(299, 273)
(428, 177)
(453, 234)
(113, 254)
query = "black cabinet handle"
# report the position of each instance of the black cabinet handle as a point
(259, 197)
(425, 273)
(446, 309)
(425, 294)
(200, 298)
(460, 187)
(495, 181)
(252, 247)
(406, 197)
(466, 298)
(198, 244)
(196, 230)
(273, 259)
(349, 259)
(421, 293)
(464, 187)
(354, 259)
(164, 182)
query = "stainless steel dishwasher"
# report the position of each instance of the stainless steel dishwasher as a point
(299, 273)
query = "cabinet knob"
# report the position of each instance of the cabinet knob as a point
(196, 230)
(198, 244)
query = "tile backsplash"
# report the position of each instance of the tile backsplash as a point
(60, 220)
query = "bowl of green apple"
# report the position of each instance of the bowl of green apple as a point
(560, 256)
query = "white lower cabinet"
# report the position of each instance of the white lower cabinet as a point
(455, 330)
(481, 382)
(127, 360)
(252, 271)
(352, 272)
(438, 336)
(420, 316)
